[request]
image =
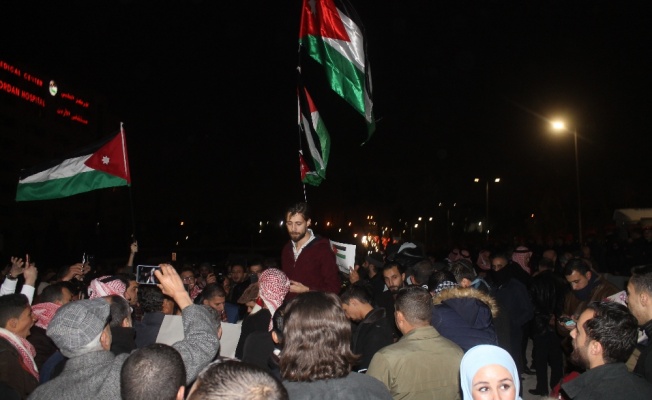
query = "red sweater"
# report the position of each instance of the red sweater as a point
(315, 267)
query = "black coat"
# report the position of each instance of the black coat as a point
(370, 335)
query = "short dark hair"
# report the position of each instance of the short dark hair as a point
(52, 293)
(546, 263)
(278, 322)
(641, 278)
(440, 276)
(11, 306)
(391, 264)
(422, 271)
(614, 327)
(576, 264)
(150, 298)
(152, 373)
(359, 292)
(299, 208)
(415, 303)
(317, 339)
(212, 290)
(461, 270)
(238, 381)
(119, 310)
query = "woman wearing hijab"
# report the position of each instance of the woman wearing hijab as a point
(489, 372)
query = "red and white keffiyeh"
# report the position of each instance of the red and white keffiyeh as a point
(106, 286)
(522, 256)
(44, 312)
(274, 285)
(25, 350)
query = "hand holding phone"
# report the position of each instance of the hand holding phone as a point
(145, 274)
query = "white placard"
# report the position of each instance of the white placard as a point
(344, 256)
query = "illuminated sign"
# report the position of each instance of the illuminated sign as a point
(30, 88)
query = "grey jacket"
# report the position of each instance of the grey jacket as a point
(96, 375)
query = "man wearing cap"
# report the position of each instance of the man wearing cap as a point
(81, 331)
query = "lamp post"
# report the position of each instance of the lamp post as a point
(560, 126)
(486, 200)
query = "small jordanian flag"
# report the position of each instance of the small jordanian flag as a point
(98, 166)
(313, 169)
(331, 32)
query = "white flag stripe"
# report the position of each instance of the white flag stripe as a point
(66, 169)
(353, 52)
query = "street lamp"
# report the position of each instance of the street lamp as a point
(560, 126)
(477, 180)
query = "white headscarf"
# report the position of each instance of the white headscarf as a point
(483, 355)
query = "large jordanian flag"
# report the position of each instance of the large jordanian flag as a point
(313, 167)
(332, 35)
(101, 165)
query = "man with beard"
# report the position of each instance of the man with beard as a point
(639, 301)
(307, 260)
(394, 276)
(587, 286)
(514, 304)
(603, 339)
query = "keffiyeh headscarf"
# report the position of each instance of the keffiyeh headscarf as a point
(481, 356)
(44, 312)
(444, 285)
(106, 286)
(521, 256)
(274, 285)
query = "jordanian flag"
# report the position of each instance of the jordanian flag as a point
(332, 35)
(317, 141)
(98, 166)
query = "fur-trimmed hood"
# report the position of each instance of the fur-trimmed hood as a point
(458, 293)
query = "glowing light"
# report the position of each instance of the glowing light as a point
(430, 219)
(416, 226)
(181, 223)
(558, 125)
(497, 180)
(349, 223)
(419, 218)
(339, 230)
(476, 180)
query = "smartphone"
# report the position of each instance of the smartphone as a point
(566, 321)
(145, 274)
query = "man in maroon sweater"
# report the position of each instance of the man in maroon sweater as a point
(307, 260)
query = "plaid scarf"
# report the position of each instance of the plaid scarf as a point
(106, 286)
(520, 255)
(25, 350)
(274, 285)
(44, 312)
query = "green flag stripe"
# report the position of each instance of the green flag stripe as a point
(64, 187)
(345, 79)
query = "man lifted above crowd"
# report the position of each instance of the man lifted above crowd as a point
(307, 260)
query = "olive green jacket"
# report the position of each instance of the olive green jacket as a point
(421, 365)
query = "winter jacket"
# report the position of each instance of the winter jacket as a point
(422, 365)
(608, 382)
(96, 375)
(370, 335)
(465, 316)
(354, 386)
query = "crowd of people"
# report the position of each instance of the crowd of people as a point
(400, 324)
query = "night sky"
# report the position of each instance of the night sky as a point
(462, 89)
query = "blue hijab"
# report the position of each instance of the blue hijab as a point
(483, 355)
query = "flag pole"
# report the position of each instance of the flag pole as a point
(131, 198)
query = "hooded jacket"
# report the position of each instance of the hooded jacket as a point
(465, 316)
